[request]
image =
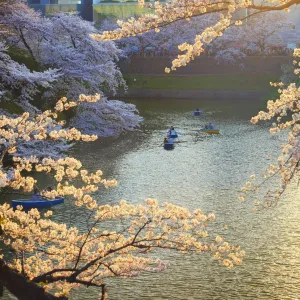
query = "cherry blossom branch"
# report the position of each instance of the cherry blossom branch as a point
(280, 7)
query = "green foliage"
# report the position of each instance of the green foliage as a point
(288, 76)
(21, 56)
(11, 107)
(272, 94)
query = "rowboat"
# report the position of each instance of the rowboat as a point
(39, 203)
(197, 112)
(169, 146)
(173, 136)
(211, 131)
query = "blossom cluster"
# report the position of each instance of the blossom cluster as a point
(51, 253)
(285, 114)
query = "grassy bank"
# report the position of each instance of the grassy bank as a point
(202, 82)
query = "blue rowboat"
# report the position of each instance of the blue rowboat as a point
(168, 146)
(39, 203)
(197, 112)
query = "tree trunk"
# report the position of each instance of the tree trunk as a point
(20, 287)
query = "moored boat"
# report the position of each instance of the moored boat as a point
(197, 112)
(39, 203)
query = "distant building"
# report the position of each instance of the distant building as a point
(120, 9)
(48, 7)
(90, 10)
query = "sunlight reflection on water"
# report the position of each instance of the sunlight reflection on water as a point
(207, 172)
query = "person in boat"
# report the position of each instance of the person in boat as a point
(197, 109)
(170, 140)
(172, 131)
(211, 126)
(206, 127)
(166, 140)
(36, 195)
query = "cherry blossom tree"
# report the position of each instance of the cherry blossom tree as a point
(17, 79)
(253, 37)
(63, 42)
(168, 37)
(70, 62)
(106, 118)
(267, 30)
(54, 258)
(174, 11)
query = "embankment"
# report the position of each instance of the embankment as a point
(192, 94)
(201, 79)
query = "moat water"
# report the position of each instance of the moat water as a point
(205, 171)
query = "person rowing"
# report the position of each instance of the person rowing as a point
(36, 195)
(209, 126)
(170, 140)
(172, 132)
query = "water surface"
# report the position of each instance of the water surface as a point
(205, 171)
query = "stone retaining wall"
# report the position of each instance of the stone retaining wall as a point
(191, 94)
